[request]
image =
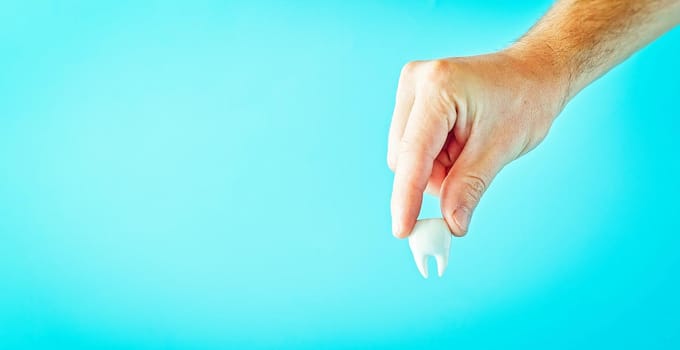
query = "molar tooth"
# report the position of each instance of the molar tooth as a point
(421, 262)
(442, 261)
(430, 237)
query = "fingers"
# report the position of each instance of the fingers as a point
(402, 109)
(436, 179)
(424, 136)
(442, 164)
(466, 182)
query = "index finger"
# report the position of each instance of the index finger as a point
(424, 136)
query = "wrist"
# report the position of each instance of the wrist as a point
(544, 67)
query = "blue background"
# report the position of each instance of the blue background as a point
(213, 175)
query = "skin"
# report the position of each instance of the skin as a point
(458, 121)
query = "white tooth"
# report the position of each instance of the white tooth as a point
(442, 261)
(430, 237)
(421, 262)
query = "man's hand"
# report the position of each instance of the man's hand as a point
(456, 123)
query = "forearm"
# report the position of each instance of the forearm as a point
(579, 40)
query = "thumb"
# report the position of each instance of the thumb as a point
(466, 182)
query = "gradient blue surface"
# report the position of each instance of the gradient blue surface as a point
(212, 175)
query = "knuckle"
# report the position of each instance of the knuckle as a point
(542, 128)
(391, 162)
(413, 185)
(537, 131)
(410, 147)
(475, 186)
(409, 68)
(436, 69)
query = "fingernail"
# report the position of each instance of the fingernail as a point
(462, 218)
(396, 229)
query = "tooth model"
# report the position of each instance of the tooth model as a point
(430, 237)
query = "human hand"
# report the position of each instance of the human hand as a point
(458, 121)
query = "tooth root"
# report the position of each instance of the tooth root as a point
(442, 261)
(421, 262)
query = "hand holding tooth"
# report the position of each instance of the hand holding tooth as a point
(456, 123)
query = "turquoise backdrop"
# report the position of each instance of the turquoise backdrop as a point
(212, 174)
